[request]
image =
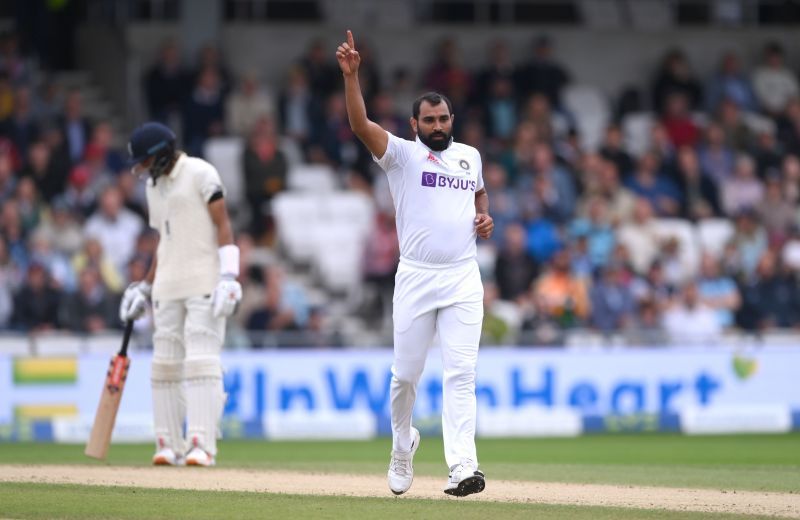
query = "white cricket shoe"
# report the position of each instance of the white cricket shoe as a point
(167, 457)
(199, 457)
(465, 479)
(401, 469)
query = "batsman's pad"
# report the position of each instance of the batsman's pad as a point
(205, 401)
(169, 404)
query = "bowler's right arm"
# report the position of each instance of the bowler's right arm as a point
(371, 134)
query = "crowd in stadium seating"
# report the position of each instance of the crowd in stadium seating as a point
(676, 219)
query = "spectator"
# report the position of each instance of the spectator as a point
(248, 105)
(773, 82)
(678, 122)
(75, 126)
(93, 257)
(446, 74)
(381, 256)
(699, 195)
(541, 74)
(299, 109)
(166, 84)
(689, 321)
(499, 67)
(320, 70)
(21, 126)
(553, 179)
(40, 167)
(560, 295)
(717, 159)
(36, 303)
(265, 173)
(61, 230)
(8, 181)
(501, 319)
(729, 83)
(718, 291)
(203, 111)
(750, 241)
(620, 200)
(648, 182)
(789, 127)
(116, 227)
(767, 153)
(775, 211)
(613, 150)
(641, 235)
(210, 59)
(596, 226)
(514, 269)
(501, 109)
(611, 299)
(770, 298)
(790, 174)
(103, 145)
(675, 77)
(91, 308)
(284, 307)
(648, 330)
(743, 190)
(11, 230)
(737, 133)
(62, 277)
(10, 280)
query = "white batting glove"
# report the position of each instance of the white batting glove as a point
(134, 301)
(227, 296)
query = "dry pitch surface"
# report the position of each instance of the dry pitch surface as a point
(785, 505)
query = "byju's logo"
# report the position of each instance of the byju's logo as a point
(433, 180)
(429, 179)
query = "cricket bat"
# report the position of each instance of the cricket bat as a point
(106, 416)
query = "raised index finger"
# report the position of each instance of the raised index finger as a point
(350, 41)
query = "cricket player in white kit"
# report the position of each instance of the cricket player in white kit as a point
(192, 283)
(441, 205)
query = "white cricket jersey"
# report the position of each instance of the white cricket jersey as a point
(188, 262)
(434, 198)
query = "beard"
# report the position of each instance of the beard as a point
(436, 141)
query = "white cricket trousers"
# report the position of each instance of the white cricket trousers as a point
(448, 300)
(186, 373)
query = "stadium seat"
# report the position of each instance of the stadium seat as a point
(312, 177)
(337, 257)
(57, 345)
(225, 153)
(355, 209)
(636, 132)
(591, 112)
(15, 345)
(758, 124)
(106, 343)
(713, 234)
(297, 216)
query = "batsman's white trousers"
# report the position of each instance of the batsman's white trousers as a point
(448, 300)
(187, 372)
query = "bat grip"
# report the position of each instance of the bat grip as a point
(126, 337)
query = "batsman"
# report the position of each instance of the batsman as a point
(192, 286)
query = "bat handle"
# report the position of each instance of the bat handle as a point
(126, 337)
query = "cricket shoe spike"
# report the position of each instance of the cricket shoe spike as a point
(197, 456)
(401, 468)
(465, 479)
(167, 457)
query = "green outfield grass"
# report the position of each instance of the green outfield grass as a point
(746, 462)
(68, 501)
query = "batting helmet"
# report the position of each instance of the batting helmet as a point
(152, 140)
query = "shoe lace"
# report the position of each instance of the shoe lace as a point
(401, 467)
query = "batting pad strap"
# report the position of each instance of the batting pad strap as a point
(166, 371)
(229, 260)
(200, 368)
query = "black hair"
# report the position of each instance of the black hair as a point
(433, 99)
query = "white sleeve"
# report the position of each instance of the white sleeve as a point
(209, 182)
(480, 171)
(397, 153)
